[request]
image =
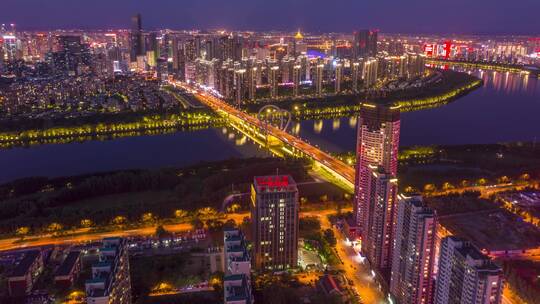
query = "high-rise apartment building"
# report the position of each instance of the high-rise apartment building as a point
(110, 282)
(370, 72)
(466, 276)
(338, 77)
(273, 79)
(319, 78)
(274, 213)
(377, 146)
(378, 218)
(412, 278)
(296, 79)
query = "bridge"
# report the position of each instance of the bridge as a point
(279, 142)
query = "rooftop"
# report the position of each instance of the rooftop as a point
(68, 263)
(24, 265)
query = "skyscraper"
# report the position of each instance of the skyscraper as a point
(239, 76)
(319, 78)
(466, 276)
(365, 43)
(273, 79)
(413, 260)
(274, 213)
(339, 77)
(377, 146)
(355, 75)
(136, 37)
(378, 218)
(296, 80)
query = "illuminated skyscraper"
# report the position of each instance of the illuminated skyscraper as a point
(136, 37)
(319, 78)
(413, 260)
(377, 146)
(466, 276)
(355, 70)
(273, 79)
(378, 218)
(239, 85)
(339, 77)
(369, 72)
(274, 213)
(365, 44)
(252, 82)
(296, 80)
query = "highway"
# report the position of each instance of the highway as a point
(346, 172)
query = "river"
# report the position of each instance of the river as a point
(506, 108)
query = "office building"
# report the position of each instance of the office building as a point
(364, 44)
(136, 38)
(110, 282)
(274, 213)
(413, 263)
(377, 146)
(378, 218)
(466, 276)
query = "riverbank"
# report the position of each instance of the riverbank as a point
(499, 67)
(110, 128)
(451, 86)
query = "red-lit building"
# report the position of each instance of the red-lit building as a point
(274, 214)
(69, 270)
(376, 147)
(24, 275)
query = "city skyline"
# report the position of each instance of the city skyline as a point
(418, 16)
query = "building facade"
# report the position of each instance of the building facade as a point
(377, 146)
(466, 276)
(237, 268)
(111, 282)
(274, 213)
(378, 218)
(412, 277)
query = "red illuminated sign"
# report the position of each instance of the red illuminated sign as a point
(447, 49)
(273, 181)
(428, 50)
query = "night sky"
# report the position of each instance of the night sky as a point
(405, 16)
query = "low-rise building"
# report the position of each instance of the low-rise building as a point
(68, 272)
(23, 276)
